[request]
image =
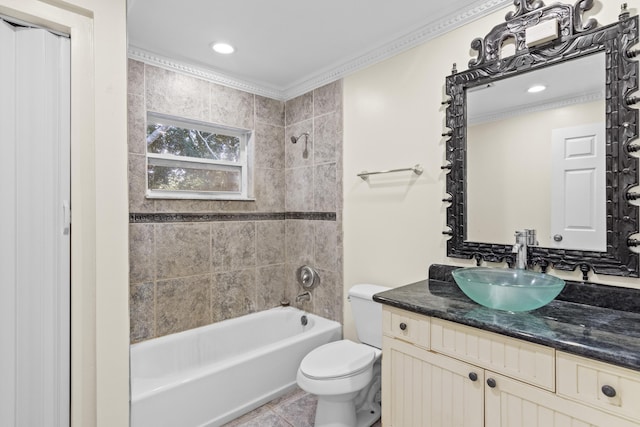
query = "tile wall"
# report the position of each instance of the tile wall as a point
(197, 262)
(313, 183)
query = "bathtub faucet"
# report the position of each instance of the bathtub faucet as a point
(305, 296)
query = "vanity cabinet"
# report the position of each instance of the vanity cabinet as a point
(439, 373)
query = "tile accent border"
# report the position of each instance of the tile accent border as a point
(311, 216)
(160, 218)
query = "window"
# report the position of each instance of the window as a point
(194, 160)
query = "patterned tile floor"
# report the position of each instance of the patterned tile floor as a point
(295, 409)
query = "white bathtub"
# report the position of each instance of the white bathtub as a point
(213, 374)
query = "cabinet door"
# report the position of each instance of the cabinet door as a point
(424, 389)
(510, 403)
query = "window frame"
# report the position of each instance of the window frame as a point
(244, 165)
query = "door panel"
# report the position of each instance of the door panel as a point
(35, 248)
(427, 389)
(578, 199)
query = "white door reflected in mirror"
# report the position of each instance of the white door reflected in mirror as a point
(578, 198)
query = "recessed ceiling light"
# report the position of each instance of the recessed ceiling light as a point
(536, 88)
(223, 48)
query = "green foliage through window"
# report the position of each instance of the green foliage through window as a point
(168, 139)
(188, 159)
(178, 178)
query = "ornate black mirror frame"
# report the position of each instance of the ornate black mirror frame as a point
(576, 39)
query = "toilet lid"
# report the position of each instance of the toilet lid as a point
(337, 359)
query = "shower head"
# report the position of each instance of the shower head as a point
(295, 139)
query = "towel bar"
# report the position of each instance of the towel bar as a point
(417, 169)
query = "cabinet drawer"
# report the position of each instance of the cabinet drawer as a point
(590, 381)
(406, 326)
(522, 360)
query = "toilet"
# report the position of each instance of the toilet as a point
(344, 375)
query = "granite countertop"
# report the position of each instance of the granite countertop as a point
(600, 333)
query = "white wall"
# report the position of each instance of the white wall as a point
(393, 118)
(99, 238)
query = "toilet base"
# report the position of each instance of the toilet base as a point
(331, 413)
(358, 409)
(367, 417)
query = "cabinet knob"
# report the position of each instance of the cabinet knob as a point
(473, 376)
(491, 382)
(403, 326)
(608, 391)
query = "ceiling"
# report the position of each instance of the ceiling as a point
(566, 84)
(287, 47)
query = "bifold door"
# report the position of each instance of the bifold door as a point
(34, 227)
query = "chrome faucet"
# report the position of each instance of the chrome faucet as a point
(524, 239)
(305, 296)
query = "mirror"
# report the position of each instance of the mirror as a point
(558, 160)
(537, 178)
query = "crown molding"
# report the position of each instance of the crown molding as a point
(334, 72)
(210, 75)
(415, 38)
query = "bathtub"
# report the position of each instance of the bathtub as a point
(213, 374)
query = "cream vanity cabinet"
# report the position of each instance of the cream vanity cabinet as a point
(437, 373)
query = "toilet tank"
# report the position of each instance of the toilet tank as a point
(367, 313)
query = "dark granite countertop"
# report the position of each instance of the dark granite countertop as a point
(601, 333)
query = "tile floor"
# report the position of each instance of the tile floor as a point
(295, 409)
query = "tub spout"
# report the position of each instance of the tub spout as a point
(305, 296)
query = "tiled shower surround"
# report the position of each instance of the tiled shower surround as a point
(197, 262)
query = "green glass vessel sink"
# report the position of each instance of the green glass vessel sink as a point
(508, 289)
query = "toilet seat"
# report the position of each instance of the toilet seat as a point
(338, 359)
